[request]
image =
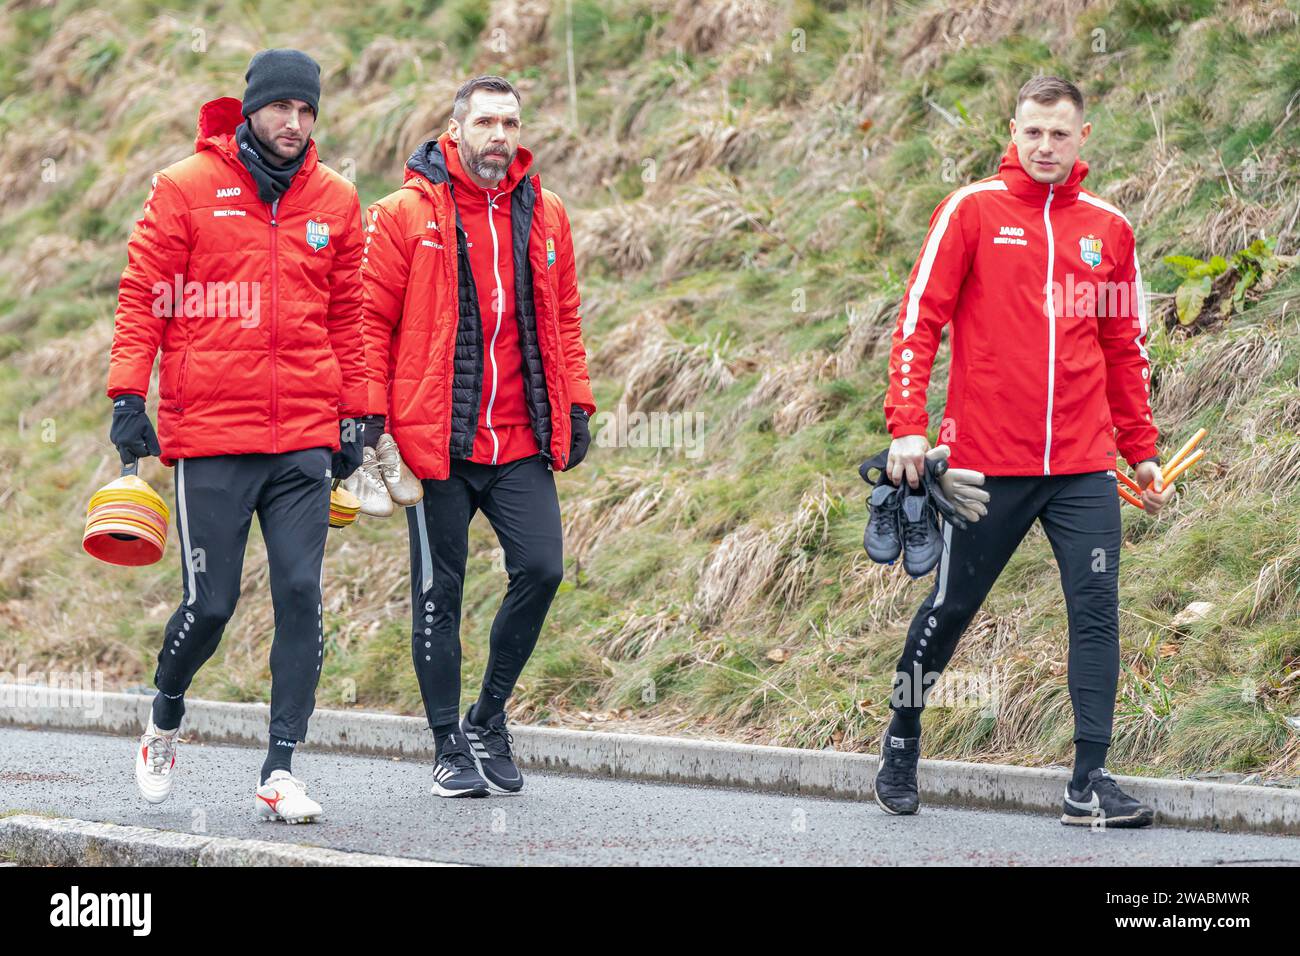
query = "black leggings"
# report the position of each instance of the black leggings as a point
(520, 501)
(1080, 514)
(216, 498)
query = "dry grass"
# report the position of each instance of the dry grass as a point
(630, 639)
(1199, 382)
(623, 236)
(752, 567)
(870, 329)
(623, 500)
(710, 143)
(701, 221)
(982, 22)
(705, 27)
(660, 372)
(790, 389)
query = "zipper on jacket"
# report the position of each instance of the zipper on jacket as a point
(275, 288)
(1051, 326)
(498, 302)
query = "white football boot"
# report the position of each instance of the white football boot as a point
(368, 485)
(283, 797)
(404, 488)
(155, 763)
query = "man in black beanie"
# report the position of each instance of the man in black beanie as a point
(257, 393)
(280, 103)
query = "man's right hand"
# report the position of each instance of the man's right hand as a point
(907, 457)
(132, 432)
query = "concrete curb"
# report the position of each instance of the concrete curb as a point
(669, 759)
(53, 841)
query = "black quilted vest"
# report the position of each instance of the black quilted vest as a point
(467, 380)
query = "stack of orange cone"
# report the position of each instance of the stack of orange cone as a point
(126, 522)
(344, 506)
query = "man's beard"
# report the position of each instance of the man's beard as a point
(488, 165)
(272, 148)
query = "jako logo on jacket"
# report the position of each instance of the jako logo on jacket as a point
(228, 385)
(1049, 370)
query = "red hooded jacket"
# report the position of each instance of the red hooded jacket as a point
(429, 287)
(1049, 370)
(258, 317)
(504, 431)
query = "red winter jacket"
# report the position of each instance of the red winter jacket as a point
(504, 432)
(428, 344)
(263, 351)
(1039, 384)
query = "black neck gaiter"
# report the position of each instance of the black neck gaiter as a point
(272, 180)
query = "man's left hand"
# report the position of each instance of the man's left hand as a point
(1155, 495)
(580, 437)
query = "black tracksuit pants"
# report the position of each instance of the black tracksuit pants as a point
(216, 498)
(1080, 514)
(520, 501)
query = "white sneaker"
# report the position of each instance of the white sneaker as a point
(283, 797)
(403, 487)
(155, 763)
(368, 485)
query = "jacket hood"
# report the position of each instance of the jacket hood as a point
(438, 161)
(218, 120)
(1025, 186)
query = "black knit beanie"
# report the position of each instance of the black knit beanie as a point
(281, 75)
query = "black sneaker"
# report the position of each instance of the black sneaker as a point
(883, 539)
(896, 789)
(1103, 804)
(922, 542)
(454, 772)
(491, 748)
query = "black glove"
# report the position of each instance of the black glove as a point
(132, 432)
(372, 426)
(580, 439)
(348, 458)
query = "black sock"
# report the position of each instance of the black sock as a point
(906, 722)
(441, 733)
(1088, 756)
(487, 707)
(168, 711)
(279, 756)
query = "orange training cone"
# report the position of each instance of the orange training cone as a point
(126, 521)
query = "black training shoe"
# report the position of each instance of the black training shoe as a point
(896, 789)
(490, 745)
(922, 542)
(883, 539)
(454, 772)
(1103, 804)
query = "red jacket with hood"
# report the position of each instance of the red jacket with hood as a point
(504, 431)
(258, 315)
(429, 321)
(1042, 287)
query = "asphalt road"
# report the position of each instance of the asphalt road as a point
(378, 805)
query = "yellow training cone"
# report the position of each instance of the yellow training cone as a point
(126, 521)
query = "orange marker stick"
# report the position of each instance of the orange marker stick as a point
(1130, 499)
(1187, 449)
(1133, 485)
(1183, 466)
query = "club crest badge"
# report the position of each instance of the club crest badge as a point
(1090, 250)
(318, 234)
